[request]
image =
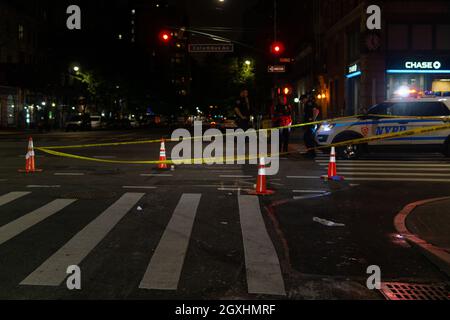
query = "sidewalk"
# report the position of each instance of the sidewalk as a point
(431, 223)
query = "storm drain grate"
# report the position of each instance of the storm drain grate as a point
(414, 291)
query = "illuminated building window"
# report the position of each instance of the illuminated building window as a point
(21, 32)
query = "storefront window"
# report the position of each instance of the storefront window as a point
(11, 111)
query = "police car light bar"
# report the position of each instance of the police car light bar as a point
(417, 71)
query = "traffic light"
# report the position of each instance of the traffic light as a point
(277, 48)
(285, 91)
(165, 36)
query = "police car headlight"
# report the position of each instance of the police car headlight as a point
(326, 127)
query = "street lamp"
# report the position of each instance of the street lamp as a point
(248, 62)
(76, 68)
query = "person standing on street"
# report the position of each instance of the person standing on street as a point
(243, 111)
(311, 114)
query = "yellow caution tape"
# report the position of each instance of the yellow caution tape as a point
(176, 162)
(407, 133)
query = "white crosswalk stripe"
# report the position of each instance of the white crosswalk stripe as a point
(10, 197)
(164, 270)
(18, 226)
(263, 267)
(165, 267)
(53, 271)
(436, 169)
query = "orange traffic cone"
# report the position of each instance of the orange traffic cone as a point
(261, 183)
(30, 166)
(332, 168)
(162, 156)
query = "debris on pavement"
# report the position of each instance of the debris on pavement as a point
(328, 223)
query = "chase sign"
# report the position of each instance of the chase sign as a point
(418, 64)
(430, 65)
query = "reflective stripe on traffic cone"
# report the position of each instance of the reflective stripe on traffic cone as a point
(332, 167)
(162, 156)
(29, 159)
(261, 183)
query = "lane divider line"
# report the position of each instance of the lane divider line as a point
(235, 176)
(156, 175)
(395, 174)
(42, 186)
(138, 187)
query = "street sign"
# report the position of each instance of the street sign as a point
(276, 69)
(211, 48)
(286, 60)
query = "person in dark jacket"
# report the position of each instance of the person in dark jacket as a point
(311, 114)
(243, 111)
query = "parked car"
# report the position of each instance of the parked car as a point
(79, 123)
(97, 122)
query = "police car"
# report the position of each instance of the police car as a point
(408, 112)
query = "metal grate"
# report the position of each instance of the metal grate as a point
(414, 291)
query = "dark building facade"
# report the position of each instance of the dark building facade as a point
(357, 68)
(22, 29)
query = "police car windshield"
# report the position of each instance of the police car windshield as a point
(410, 109)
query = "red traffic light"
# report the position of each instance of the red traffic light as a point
(165, 36)
(277, 48)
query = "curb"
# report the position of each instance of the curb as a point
(438, 256)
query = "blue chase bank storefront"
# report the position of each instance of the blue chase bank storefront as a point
(418, 73)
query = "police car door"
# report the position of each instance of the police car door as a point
(396, 124)
(422, 110)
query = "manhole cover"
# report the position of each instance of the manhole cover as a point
(413, 291)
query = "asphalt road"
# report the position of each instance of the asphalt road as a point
(196, 232)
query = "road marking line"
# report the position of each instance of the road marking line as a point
(389, 164)
(397, 179)
(395, 169)
(235, 176)
(394, 174)
(105, 157)
(138, 187)
(263, 267)
(156, 175)
(443, 161)
(42, 186)
(309, 191)
(69, 174)
(53, 271)
(229, 189)
(303, 177)
(164, 270)
(312, 196)
(9, 197)
(11, 230)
